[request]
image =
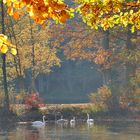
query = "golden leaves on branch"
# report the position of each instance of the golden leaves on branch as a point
(40, 10)
(109, 13)
(101, 56)
(5, 44)
(131, 56)
(44, 56)
(45, 59)
(101, 98)
(96, 13)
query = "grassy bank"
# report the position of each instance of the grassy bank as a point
(55, 111)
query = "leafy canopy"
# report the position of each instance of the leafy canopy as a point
(40, 10)
(109, 13)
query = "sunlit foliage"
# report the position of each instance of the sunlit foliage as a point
(101, 99)
(109, 13)
(45, 59)
(5, 45)
(40, 10)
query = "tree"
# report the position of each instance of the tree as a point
(4, 43)
(40, 11)
(113, 14)
(39, 58)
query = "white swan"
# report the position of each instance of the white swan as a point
(89, 121)
(39, 123)
(72, 121)
(62, 120)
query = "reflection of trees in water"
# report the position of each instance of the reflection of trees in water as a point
(5, 128)
(55, 131)
(32, 136)
(116, 131)
(125, 127)
(105, 131)
(30, 133)
(122, 126)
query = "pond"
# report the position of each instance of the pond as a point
(81, 131)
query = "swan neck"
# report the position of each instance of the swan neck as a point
(43, 119)
(88, 116)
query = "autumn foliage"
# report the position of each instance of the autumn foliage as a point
(5, 45)
(34, 101)
(110, 13)
(40, 10)
(101, 99)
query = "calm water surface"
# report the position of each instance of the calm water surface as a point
(98, 131)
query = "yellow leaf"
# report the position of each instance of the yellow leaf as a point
(4, 1)
(10, 11)
(1, 43)
(16, 5)
(131, 11)
(3, 37)
(71, 10)
(31, 12)
(133, 29)
(4, 48)
(13, 51)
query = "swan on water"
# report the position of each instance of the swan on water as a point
(62, 120)
(89, 121)
(72, 121)
(39, 123)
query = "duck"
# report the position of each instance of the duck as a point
(89, 121)
(72, 121)
(61, 120)
(39, 123)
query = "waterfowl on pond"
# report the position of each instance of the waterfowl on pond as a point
(39, 123)
(89, 121)
(61, 120)
(72, 121)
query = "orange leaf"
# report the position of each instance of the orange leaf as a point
(10, 11)
(16, 16)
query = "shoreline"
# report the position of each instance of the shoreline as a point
(68, 111)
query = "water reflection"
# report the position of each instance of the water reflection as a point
(80, 131)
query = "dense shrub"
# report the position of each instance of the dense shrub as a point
(33, 101)
(101, 99)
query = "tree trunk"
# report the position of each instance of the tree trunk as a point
(33, 87)
(6, 100)
(40, 84)
(17, 61)
(107, 78)
(106, 72)
(130, 67)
